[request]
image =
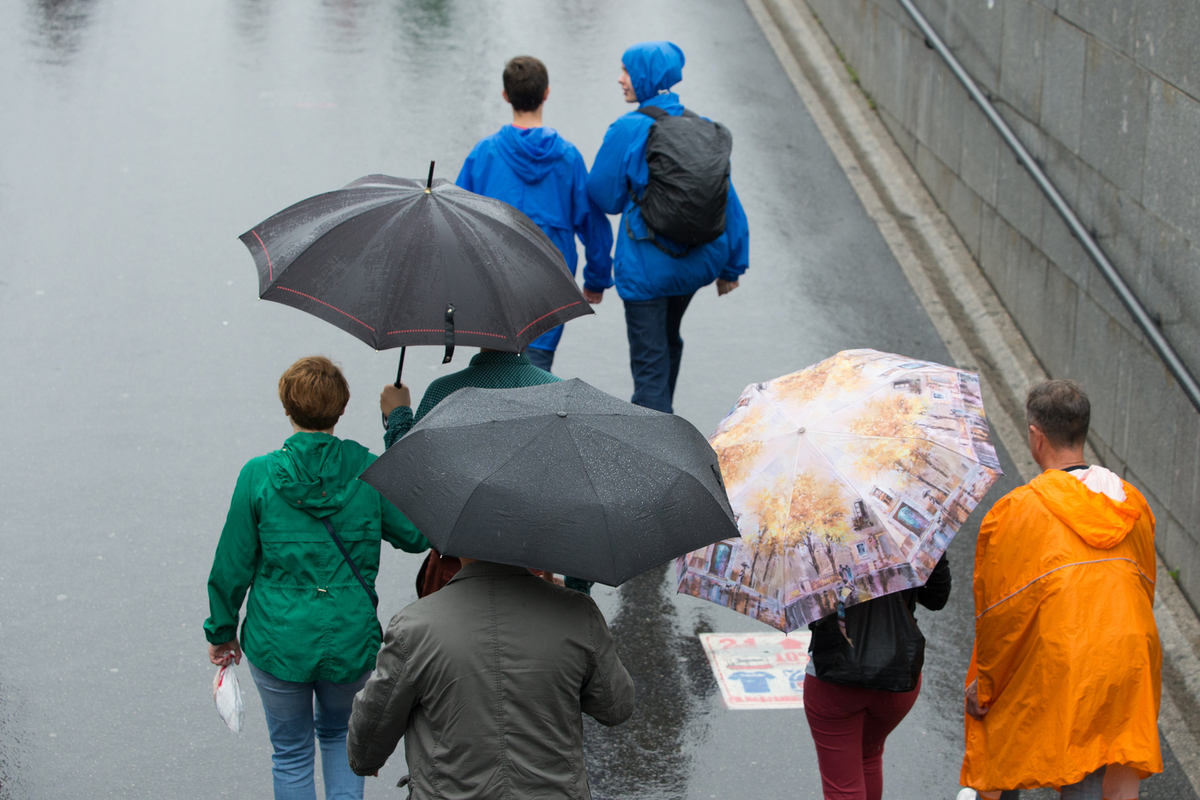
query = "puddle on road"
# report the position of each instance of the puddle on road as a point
(646, 756)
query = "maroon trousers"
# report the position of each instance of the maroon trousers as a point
(849, 726)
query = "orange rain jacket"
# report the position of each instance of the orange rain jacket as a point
(1066, 648)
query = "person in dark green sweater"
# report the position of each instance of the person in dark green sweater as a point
(311, 629)
(490, 369)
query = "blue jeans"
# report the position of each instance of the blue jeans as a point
(655, 348)
(292, 722)
(542, 359)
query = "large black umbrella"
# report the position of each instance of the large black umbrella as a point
(398, 262)
(559, 477)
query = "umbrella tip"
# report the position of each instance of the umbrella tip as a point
(429, 183)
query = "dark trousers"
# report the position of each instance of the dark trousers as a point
(655, 348)
(849, 726)
(1090, 788)
(542, 359)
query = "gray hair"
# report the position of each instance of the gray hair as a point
(1061, 410)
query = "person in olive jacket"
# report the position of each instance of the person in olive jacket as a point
(486, 680)
(310, 628)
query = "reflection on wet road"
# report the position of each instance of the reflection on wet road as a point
(645, 757)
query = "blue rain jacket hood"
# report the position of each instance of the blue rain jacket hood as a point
(653, 67)
(543, 175)
(530, 152)
(641, 270)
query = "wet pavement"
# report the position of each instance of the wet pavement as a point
(138, 140)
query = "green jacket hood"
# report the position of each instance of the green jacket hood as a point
(318, 472)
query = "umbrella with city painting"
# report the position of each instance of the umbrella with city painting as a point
(848, 480)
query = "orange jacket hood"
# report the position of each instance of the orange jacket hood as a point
(1100, 520)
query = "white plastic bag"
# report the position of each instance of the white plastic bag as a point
(228, 696)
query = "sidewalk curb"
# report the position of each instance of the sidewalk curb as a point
(965, 311)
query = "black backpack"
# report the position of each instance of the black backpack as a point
(684, 202)
(881, 649)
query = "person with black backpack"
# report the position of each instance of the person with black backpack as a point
(862, 679)
(665, 170)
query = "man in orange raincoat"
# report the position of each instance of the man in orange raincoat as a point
(1065, 681)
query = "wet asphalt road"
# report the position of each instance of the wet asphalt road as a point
(137, 141)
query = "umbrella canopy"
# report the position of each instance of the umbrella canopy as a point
(559, 477)
(399, 262)
(848, 479)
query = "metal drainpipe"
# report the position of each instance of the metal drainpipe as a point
(1186, 381)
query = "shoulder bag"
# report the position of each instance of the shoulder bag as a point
(353, 567)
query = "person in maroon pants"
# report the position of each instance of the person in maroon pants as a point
(863, 677)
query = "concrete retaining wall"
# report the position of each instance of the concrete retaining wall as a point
(1106, 95)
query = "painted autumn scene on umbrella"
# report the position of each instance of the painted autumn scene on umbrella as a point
(848, 480)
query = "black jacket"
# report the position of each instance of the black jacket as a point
(890, 658)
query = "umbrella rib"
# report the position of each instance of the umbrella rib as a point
(934, 442)
(612, 558)
(629, 444)
(384, 229)
(490, 475)
(634, 446)
(846, 435)
(496, 288)
(327, 305)
(267, 253)
(397, 282)
(353, 212)
(543, 316)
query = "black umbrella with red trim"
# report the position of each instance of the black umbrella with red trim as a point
(397, 262)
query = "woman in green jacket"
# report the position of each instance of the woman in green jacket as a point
(311, 629)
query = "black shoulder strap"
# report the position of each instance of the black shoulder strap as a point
(353, 568)
(655, 113)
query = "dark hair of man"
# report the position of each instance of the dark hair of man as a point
(525, 82)
(1061, 410)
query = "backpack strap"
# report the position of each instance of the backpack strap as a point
(653, 112)
(353, 567)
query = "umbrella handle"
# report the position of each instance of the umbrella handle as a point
(399, 371)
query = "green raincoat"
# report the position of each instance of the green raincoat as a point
(308, 617)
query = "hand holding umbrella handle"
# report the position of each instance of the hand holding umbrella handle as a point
(391, 398)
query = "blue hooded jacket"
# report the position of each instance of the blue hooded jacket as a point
(543, 175)
(643, 272)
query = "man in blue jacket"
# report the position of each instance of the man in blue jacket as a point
(654, 286)
(542, 174)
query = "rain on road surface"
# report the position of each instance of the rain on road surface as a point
(138, 140)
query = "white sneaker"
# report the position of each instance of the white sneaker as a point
(967, 794)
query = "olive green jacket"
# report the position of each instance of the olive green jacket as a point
(485, 679)
(308, 618)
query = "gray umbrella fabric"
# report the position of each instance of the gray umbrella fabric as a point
(399, 262)
(560, 477)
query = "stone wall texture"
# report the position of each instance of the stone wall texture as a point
(1106, 95)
